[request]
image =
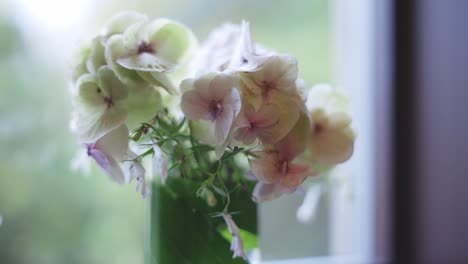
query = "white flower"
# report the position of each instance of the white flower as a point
(216, 52)
(96, 57)
(331, 138)
(160, 164)
(248, 56)
(228, 47)
(325, 97)
(132, 167)
(99, 106)
(143, 187)
(237, 245)
(148, 50)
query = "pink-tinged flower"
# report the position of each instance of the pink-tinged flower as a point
(253, 124)
(212, 97)
(160, 164)
(109, 150)
(275, 167)
(237, 244)
(277, 74)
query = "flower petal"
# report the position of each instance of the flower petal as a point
(288, 113)
(89, 90)
(116, 49)
(264, 167)
(109, 165)
(110, 84)
(96, 57)
(115, 143)
(93, 123)
(173, 41)
(194, 106)
(142, 105)
(296, 175)
(295, 142)
(160, 164)
(237, 244)
(334, 142)
(146, 62)
(268, 191)
(120, 22)
(223, 124)
(132, 167)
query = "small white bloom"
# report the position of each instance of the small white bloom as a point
(132, 167)
(160, 164)
(237, 244)
(143, 187)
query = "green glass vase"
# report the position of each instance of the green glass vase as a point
(184, 229)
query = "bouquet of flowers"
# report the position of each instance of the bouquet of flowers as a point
(230, 119)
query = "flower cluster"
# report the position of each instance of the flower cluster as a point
(238, 97)
(117, 83)
(247, 95)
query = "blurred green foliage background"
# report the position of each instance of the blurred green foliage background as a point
(51, 214)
